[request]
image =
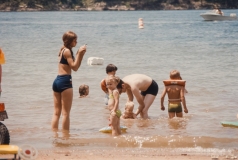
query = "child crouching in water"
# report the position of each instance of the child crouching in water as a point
(128, 113)
(176, 95)
(113, 104)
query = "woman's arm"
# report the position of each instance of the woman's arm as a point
(75, 64)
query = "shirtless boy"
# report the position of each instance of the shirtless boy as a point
(175, 97)
(143, 88)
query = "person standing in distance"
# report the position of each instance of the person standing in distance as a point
(62, 85)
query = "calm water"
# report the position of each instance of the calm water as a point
(204, 52)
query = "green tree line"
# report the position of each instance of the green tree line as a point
(137, 4)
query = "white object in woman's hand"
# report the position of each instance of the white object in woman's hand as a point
(82, 49)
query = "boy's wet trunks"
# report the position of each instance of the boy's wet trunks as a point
(175, 107)
(153, 89)
(62, 82)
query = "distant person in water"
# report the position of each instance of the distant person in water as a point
(62, 85)
(83, 90)
(176, 95)
(143, 88)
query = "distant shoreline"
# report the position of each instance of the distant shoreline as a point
(112, 7)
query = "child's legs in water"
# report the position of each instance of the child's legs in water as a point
(171, 114)
(114, 124)
(118, 126)
(180, 114)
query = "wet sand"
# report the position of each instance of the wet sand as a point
(117, 154)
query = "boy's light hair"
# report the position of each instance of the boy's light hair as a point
(175, 74)
(129, 104)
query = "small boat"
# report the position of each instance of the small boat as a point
(217, 15)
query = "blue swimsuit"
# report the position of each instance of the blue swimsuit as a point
(63, 82)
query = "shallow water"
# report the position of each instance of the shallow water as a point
(204, 52)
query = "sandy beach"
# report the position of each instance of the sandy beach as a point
(118, 154)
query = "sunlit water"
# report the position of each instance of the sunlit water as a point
(204, 52)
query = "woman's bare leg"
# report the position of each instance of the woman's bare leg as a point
(66, 100)
(57, 111)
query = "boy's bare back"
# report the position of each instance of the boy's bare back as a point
(175, 93)
(176, 96)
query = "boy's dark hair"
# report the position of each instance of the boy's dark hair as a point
(82, 89)
(119, 85)
(110, 68)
